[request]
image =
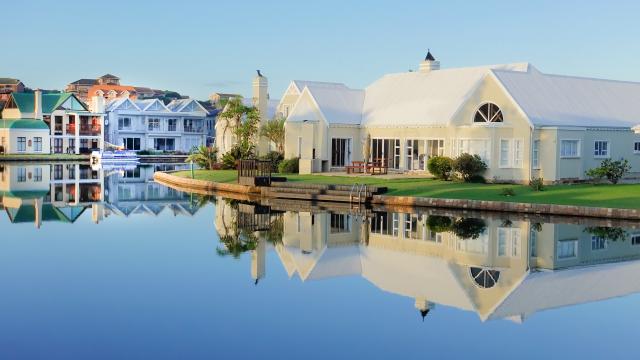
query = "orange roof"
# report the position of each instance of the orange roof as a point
(106, 88)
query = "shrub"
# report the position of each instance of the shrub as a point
(440, 167)
(204, 157)
(274, 157)
(536, 184)
(469, 166)
(507, 192)
(289, 166)
(439, 224)
(612, 170)
(237, 152)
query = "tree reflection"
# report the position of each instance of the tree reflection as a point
(607, 233)
(465, 228)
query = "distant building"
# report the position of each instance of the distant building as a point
(49, 123)
(81, 87)
(216, 98)
(9, 85)
(151, 125)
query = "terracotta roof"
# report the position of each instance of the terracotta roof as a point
(106, 88)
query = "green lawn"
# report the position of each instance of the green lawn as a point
(616, 196)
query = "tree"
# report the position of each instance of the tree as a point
(273, 130)
(241, 120)
(204, 157)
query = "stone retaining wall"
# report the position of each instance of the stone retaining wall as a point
(461, 204)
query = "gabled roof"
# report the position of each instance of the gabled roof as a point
(180, 105)
(105, 89)
(23, 124)
(117, 103)
(337, 103)
(419, 99)
(50, 102)
(151, 105)
(301, 84)
(556, 100)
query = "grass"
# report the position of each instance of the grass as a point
(43, 157)
(614, 196)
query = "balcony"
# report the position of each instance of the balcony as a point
(71, 129)
(193, 129)
(57, 129)
(90, 129)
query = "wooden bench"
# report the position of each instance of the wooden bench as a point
(360, 167)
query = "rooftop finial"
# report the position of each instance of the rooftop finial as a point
(429, 57)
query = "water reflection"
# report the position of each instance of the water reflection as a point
(500, 266)
(62, 192)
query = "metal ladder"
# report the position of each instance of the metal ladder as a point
(356, 193)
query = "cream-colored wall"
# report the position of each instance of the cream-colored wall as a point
(11, 140)
(9, 178)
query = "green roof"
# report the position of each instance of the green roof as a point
(23, 124)
(50, 102)
(27, 213)
(25, 194)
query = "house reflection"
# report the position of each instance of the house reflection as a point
(499, 266)
(49, 192)
(132, 191)
(62, 192)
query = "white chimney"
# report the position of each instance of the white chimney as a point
(37, 104)
(97, 102)
(429, 64)
(261, 102)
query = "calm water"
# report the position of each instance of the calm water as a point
(107, 264)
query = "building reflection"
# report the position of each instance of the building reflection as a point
(62, 192)
(497, 265)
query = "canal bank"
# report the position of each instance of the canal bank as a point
(170, 179)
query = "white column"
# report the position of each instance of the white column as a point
(77, 134)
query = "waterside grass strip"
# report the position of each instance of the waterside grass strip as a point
(411, 201)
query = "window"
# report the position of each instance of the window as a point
(533, 242)
(488, 113)
(37, 174)
(535, 157)
(386, 151)
(517, 153)
(172, 124)
(22, 174)
(598, 243)
(485, 278)
(636, 147)
(509, 242)
(164, 144)
(411, 228)
(340, 223)
(124, 123)
(57, 145)
(635, 239)
(504, 153)
(154, 124)
(569, 148)
(37, 144)
(567, 249)
(480, 147)
(601, 149)
(57, 172)
(131, 143)
(340, 152)
(22, 144)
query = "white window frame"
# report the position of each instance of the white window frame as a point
(121, 123)
(18, 140)
(458, 148)
(535, 155)
(635, 239)
(518, 153)
(511, 241)
(37, 144)
(607, 152)
(578, 149)
(575, 249)
(505, 160)
(599, 241)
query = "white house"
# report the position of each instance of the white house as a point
(152, 125)
(522, 122)
(55, 122)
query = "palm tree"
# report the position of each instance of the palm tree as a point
(274, 131)
(204, 157)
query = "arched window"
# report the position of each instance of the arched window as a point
(488, 112)
(485, 278)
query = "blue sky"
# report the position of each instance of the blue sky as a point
(198, 47)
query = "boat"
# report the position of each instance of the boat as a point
(123, 157)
